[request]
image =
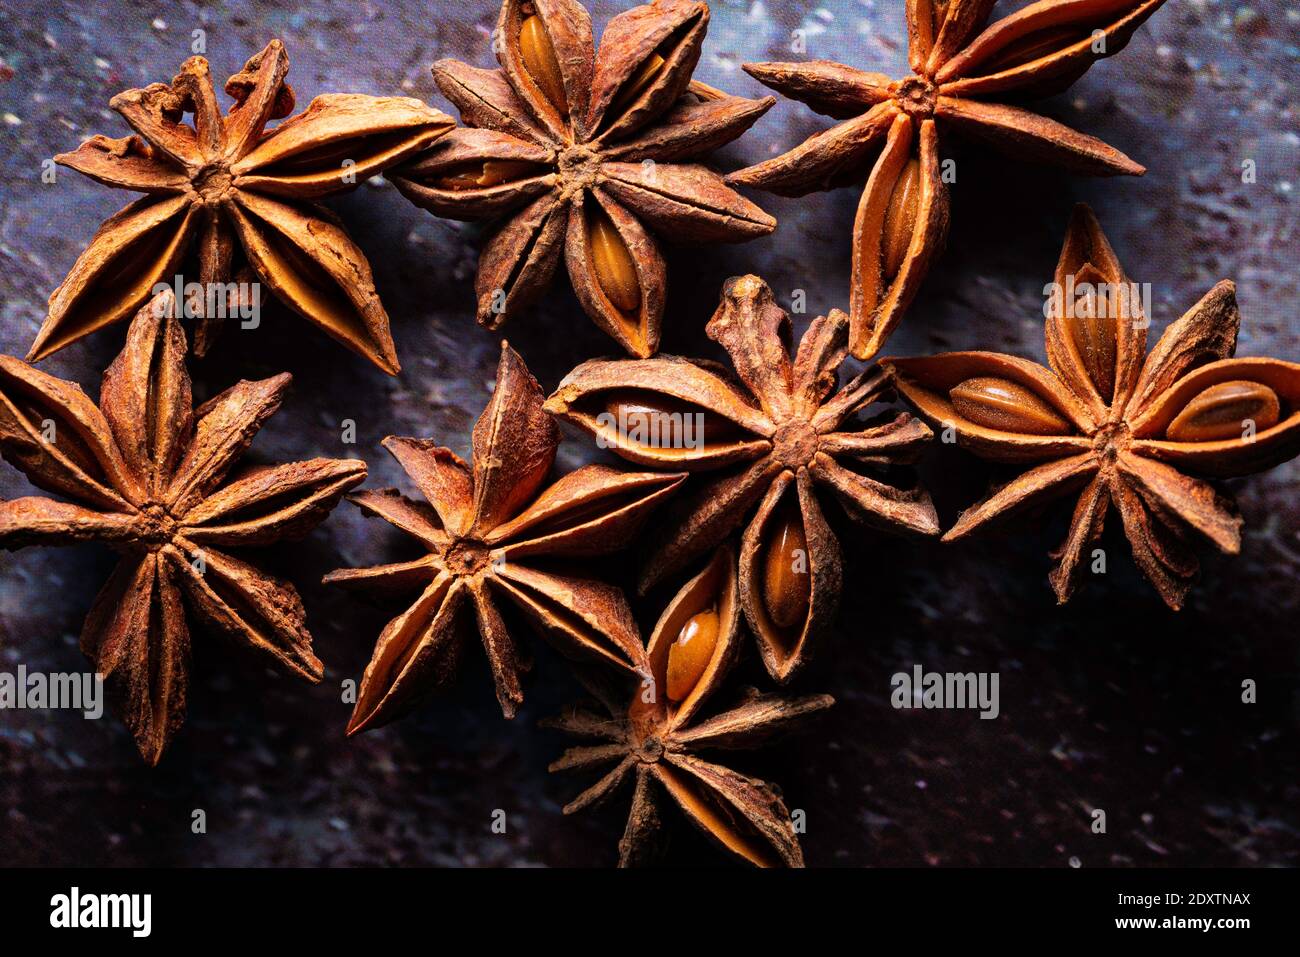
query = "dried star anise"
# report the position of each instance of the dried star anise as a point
(493, 532)
(656, 739)
(1115, 425)
(577, 152)
(225, 183)
(147, 475)
(959, 76)
(776, 435)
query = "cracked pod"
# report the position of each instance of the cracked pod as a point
(150, 476)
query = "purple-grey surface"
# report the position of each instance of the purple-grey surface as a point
(1111, 702)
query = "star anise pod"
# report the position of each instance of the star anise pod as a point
(576, 152)
(494, 532)
(774, 438)
(147, 476)
(1116, 426)
(656, 739)
(242, 194)
(961, 76)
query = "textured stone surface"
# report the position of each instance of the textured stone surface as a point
(1111, 702)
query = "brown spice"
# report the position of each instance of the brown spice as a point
(147, 475)
(587, 155)
(655, 739)
(961, 74)
(494, 532)
(1117, 426)
(775, 442)
(226, 185)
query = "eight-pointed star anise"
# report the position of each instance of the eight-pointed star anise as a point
(656, 738)
(494, 532)
(1113, 425)
(959, 76)
(146, 473)
(245, 195)
(577, 152)
(776, 435)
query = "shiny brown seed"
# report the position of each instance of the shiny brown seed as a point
(662, 422)
(1093, 328)
(540, 60)
(1007, 406)
(786, 581)
(900, 219)
(691, 653)
(612, 261)
(638, 83)
(485, 174)
(1222, 412)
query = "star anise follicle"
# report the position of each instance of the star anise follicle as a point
(244, 198)
(965, 77)
(654, 739)
(496, 532)
(1146, 433)
(148, 475)
(588, 156)
(777, 444)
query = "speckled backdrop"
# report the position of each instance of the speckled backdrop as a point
(1112, 702)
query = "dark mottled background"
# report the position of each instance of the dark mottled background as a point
(1112, 702)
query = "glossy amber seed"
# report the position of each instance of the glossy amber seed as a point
(690, 654)
(638, 82)
(485, 174)
(900, 219)
(612, 262)
(786, 577)
(540, 61)
(664, 422)
(1223, 411)
(1092, 325)
(1007, 406)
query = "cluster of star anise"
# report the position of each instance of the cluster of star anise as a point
(595, 149)
(590, 154)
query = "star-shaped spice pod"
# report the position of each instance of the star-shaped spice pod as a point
(774, 438)
(576, 152)
(657, 738)
(960, 76)
(494, 532)
(147, 476)
(243, 194)
(1116, 426)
